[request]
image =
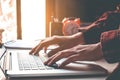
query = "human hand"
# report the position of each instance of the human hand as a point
(63, 42)
(89, 52)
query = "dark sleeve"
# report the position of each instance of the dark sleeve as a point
(110, 42)
(108, 21)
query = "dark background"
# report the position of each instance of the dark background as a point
(86, 10)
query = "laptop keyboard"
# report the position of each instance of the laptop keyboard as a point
(31, 62)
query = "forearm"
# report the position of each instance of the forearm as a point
(94, 52)
(94, 24)
(78, 38)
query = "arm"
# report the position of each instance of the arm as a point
(108, 21)
(91, 52)
(110, 42)
(109, 48)
(93, 31)
(96, 23)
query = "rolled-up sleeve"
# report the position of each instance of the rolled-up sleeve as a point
(110, 42)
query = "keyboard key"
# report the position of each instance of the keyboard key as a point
(31, 62)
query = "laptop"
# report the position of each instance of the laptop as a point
(17, 63)
(23, 44)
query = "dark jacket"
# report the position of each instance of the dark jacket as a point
(110, 20)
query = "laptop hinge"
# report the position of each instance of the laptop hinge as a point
(2, 66)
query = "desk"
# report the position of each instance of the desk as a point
(102, 62)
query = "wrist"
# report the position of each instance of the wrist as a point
(100, 52)
(78, 38)
(92, 25)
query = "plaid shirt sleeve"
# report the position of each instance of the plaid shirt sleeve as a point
(110, 42)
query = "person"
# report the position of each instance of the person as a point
(77, 48)
(108, 21)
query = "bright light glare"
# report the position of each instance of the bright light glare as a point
(33, 19)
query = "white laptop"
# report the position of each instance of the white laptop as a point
(21, 44)
(13, 65)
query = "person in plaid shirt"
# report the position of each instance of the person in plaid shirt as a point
(102, 40)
